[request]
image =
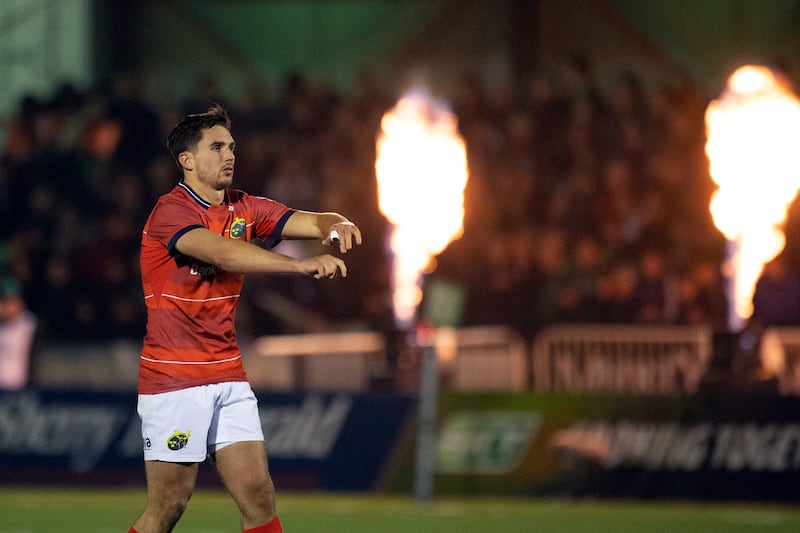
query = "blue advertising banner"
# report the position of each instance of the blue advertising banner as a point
(338, 441)
(314, 441)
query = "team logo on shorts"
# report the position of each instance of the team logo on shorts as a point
(237, 228)
(178, 440)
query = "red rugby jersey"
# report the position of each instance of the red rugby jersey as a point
(191, 305)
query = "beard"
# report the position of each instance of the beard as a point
(219, 181)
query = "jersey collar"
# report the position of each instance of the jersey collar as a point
(197, 198)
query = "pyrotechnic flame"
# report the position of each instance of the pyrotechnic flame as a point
(421, 167)
(752, 134)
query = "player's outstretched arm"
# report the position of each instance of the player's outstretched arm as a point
(245, 258)
(310, 225)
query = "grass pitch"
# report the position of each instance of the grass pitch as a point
(31, 510)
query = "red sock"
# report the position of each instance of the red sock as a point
(274, 526)
(132, 530)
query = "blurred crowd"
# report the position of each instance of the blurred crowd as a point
(584, 203)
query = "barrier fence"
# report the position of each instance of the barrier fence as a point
(624, 359)
(627, 359)
(780, 355)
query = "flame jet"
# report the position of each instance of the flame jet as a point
(752, 146)
(421, 167)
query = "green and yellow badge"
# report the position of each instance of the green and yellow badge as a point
(238, 227)
(178, 440)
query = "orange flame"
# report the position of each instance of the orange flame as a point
(752, 132)
(421, 167)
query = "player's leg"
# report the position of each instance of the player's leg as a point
(169, 487)
(242, 466)
(236, 448)
(174, 430)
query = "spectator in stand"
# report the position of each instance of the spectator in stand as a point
(504, 290)
(655, 297)
(627, 118)
(776, 301)
(57, 299)
(550, 300)
(17, 330)
(615, 294)
(588, 262)
(702, 298)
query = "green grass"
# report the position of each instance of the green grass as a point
(112, 510)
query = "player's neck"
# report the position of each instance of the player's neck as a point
(209, 194)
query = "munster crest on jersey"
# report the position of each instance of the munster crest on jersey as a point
(237, 228)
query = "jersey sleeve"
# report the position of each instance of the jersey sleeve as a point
(169, 221)
(270, 217)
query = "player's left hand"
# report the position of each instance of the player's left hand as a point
(345, 234)
(323, 266)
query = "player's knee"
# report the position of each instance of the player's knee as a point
(257, 500)
(174, 509)
(169, 507)
(256, 482)
(260, 493)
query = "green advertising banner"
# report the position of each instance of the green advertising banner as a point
(526, 444)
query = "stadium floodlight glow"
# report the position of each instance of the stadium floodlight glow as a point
(421, 167)
(752, 132)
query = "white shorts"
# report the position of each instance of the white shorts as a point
(187, 425)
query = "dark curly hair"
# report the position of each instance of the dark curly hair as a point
(188, 132)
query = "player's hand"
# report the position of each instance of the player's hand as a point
(344, 234)
(323, 266)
